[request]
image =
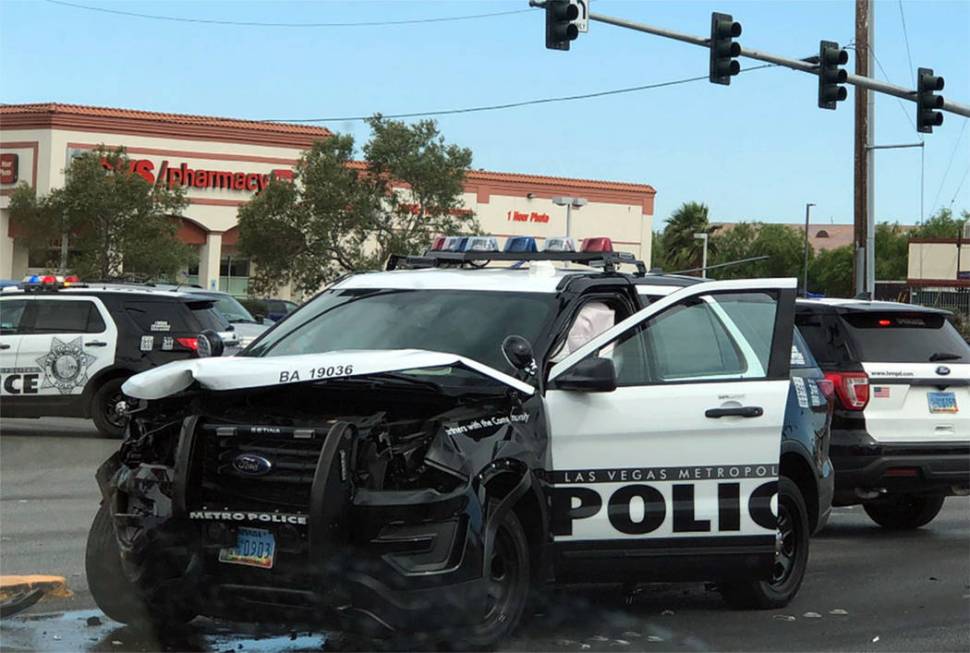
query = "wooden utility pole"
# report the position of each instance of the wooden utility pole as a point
(863, 154)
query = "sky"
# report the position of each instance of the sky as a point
(759, 149)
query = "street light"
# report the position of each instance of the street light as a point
(704, 237)
(569, 203)
(808, 210)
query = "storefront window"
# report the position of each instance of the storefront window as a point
(234, 275)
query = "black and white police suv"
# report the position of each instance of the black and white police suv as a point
(67, 347)
(420, 448)
(901, 429)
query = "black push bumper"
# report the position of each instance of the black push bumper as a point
(362, 560)
(865, 468)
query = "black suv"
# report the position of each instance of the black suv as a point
(901, 431)
(65, 351)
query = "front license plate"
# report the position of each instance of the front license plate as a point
(942, 402)
(255, 547)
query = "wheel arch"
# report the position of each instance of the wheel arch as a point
(99, 379)
(530, 508)
(795, 465)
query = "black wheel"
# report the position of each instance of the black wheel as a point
(904, 511)
(109, 586)
(112, 591)
(508, 575)
(105, 409)
(791, 557)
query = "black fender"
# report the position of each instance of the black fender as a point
(505, 485)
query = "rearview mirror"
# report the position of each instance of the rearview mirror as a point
(518, 352)
(210, 344)
(589, 375)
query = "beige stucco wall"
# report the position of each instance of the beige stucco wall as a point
(937, 260)
(216, 209)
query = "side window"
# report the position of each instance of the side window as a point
(69, 316)
(11, 315)
(706, 338)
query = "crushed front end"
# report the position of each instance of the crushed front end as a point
(358, 502)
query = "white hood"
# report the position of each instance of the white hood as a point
(239, 372)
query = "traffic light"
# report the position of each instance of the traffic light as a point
(723, 48)
(560, 28)
(831, 75)
(927, 100)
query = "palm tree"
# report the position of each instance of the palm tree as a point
(683, 251)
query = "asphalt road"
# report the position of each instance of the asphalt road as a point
(867, 589)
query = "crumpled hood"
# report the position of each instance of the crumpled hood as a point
(240, 372)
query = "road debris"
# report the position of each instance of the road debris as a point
(667, 613)
(783, 617)
(812, 615)
(837, 611)
(654, 638)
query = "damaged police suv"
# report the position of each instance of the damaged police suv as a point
(421, 449)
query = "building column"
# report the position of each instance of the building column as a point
(6, 247)
(209, 257)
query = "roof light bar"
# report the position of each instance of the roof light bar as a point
(560, 244)
(521, 244)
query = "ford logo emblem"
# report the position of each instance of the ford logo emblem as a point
(942, 370)
(251, 465)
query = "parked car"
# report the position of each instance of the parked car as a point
(247, 327)
(901, 431)
(273, 310)
(417, 449)
(65, 351)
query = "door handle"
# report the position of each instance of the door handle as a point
(740, 411)
(4, 346)
(96, 343)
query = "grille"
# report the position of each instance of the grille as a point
(292, 454)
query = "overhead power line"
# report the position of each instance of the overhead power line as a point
(956, 148)
(241, 23)
(909, 56)
(514, 105)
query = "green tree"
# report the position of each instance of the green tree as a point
(658, 255)
(683, 250)
(113, 220)
(831, 272)
(783, 245)
(892, 251)
(942, 224)
(342, 216)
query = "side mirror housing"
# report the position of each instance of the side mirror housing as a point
(518, 352)
(210, 344)
(589, 375)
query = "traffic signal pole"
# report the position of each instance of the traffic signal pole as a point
(864, 81)
(864, 156)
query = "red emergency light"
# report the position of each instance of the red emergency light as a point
(597, 245)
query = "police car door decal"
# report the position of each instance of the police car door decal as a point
(62, 363)
(686, 456)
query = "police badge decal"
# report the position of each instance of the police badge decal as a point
(65, 365)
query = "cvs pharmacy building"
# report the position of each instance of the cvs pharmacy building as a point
(221, 163)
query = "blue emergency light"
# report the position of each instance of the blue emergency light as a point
(520, 244)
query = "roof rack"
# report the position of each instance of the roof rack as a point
(609, 261)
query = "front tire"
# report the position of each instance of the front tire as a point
(109, 586)
(791, 557)
(104, 403)
(509, 585)
(117, 597)
(902, 512)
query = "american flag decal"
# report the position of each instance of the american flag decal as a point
(881, 391)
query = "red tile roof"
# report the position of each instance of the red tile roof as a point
(153, 123)
(592, 184)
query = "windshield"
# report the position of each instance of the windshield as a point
(897, 337)
(232, 310)
(468, 323)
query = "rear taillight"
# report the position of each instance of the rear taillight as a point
(192, 344)
(826, 387)
(852, 388)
